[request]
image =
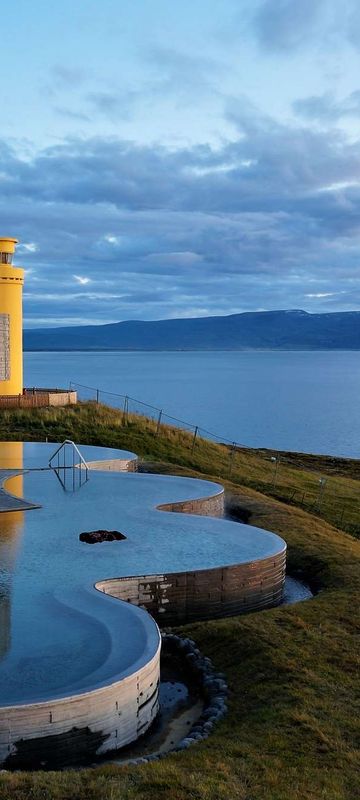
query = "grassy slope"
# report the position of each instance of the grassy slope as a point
(292, 731)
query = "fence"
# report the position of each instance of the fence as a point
(38, 398)
(130, 405)
(275, 471)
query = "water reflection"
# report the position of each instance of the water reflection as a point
(11, 528)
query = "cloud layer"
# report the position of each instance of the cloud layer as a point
(209, 164)
(111, 230)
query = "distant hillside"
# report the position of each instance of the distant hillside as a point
(269, 330)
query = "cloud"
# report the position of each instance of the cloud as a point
(183, 73)
(113, 104)
(64, 76)
(351, 16)
(68, 113)
(114, 240)
(82, 280)
(286, 25)
(260, 222)
(30, 247)
(170, 75)
(325, 107)
(317, 295)
(181, 259)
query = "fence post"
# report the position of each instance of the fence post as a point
(158, 423)
(320, 496)
(232, 453)
(125, 410)
(276, 461)
(194, 439)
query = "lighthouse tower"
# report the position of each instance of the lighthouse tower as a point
(11, 284)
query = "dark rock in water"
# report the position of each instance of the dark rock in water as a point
(95, 537)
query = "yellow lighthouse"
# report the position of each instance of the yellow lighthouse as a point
(11, 284)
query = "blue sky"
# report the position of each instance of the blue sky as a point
(161, 159)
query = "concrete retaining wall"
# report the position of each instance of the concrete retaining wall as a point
(62, 398)
(76, 729)
(204, 506)
(179, 597)
(115, 465)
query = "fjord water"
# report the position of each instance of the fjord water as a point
(307, 401)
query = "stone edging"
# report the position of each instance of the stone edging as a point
(212, 686)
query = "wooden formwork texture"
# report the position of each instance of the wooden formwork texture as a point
(93, 722)
(180, 597)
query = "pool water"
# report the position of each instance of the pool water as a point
(58, 634)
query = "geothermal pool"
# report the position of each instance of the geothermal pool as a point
(60, 637)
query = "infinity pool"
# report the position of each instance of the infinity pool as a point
(58, 634)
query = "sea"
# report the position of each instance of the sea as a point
(304, 401)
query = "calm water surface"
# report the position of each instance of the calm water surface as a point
(288, 400)
(58, 635)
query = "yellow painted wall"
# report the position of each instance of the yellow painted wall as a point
(11, 528)
(11, 284)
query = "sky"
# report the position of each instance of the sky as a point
(162, 159)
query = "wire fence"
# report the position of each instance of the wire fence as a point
(275, 470)
(130, 405)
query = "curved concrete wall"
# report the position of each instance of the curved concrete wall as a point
(56, 732)
(179, 597)
(115, 465)
(79, 727)
(203, 506)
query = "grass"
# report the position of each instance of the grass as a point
(297, 477)
(292, 731)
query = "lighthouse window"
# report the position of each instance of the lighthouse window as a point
(6, 258)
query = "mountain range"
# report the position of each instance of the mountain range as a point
(259, 330)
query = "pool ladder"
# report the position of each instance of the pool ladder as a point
(68, 470)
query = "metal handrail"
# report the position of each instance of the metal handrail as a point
(76, 450)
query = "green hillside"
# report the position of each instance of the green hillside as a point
(292, 731)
